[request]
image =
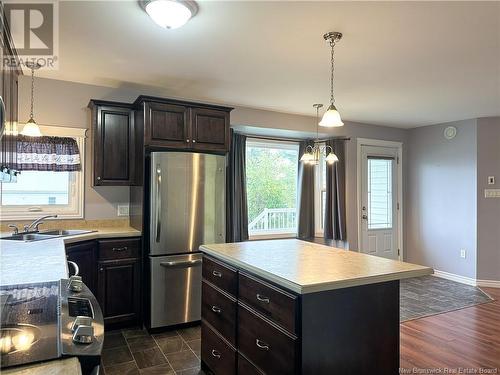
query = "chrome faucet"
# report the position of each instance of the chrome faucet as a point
(33, 227)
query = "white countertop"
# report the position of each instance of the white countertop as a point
(306, 267)
(112, 232)
(32, 262)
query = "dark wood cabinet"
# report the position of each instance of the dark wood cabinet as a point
(176, 124)
(84, 254)
(119, 281)
(113, 133)
(166, 125)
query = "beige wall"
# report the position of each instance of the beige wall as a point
(64, 103)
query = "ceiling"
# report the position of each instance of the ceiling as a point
(401, 64)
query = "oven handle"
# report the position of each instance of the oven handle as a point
(185, 263)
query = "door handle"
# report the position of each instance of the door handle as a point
(75, 267)
(186, 263)
(158, 203)
(261, 344)
(216, 309)
(216, 354)
(262, 298)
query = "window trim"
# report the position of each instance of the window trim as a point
(274, 144)
(74, 210)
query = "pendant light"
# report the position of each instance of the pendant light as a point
(31, 128)
(312, 154)
(331, 117)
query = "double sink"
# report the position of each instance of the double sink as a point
(45, 235)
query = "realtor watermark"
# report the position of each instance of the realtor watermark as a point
(448, 370)
(34, 27)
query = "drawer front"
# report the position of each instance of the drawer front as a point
(276, 304)
(119, 248)
(220, 275)
(246, 368)
(216, 354)
(270, 348)
(219, 311)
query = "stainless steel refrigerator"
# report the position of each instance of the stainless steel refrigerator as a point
(187, 209)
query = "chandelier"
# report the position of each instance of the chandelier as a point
(312, 154)
(331, 117)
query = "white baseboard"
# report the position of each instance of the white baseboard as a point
(467, 280)
(488, 283)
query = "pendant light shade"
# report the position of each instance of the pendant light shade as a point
(331, 118)
(31, 128)
(331, 158)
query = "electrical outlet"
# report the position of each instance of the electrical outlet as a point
(123, 210)
(463, 253)
(491, 180)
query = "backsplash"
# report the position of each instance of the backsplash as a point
(69, 224)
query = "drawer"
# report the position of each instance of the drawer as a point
(274, 303)
(246, 368)
(220, 311)
(216, 353)
(269, 347)
(220, 275)
(119, 248)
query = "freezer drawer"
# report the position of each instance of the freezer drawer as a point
(175, 289)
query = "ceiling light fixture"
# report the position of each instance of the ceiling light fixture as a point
(312, 154)
(31, 128)
(170, 14)
(331, 117)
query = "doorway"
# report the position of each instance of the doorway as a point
(379, 198)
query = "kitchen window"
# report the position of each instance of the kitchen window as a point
(39, 193)
(271, 172)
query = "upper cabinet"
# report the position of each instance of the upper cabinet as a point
(113, 133)
(183, 125)
(122, 131)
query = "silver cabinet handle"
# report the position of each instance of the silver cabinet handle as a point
(261, 344)
(216, 273)
(75, 267)
(158, 203)
(186, 263)
(262, 298)
(118, 249)
(215, 353)
(216, 309)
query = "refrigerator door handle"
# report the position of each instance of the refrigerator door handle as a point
(158, 203)
(186, 263)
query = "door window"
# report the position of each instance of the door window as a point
(380, 192)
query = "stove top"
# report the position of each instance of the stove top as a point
(29, 323)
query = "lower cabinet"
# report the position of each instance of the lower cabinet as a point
(111, 268)
(84, 254)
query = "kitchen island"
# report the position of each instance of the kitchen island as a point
(294, 307)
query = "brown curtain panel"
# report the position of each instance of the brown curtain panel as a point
(56, 154)
(335, 216)
(237, 207)
(305, 196)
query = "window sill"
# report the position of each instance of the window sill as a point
(271, 236)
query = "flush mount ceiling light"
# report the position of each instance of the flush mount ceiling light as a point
(170, 14)
(31, 128)
(312, 154)
(331, 118)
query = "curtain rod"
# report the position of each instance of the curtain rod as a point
(293, 139)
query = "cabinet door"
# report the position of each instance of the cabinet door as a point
(118, 290)
(210, 129)
(114, 151)
(166, 125)
(84, 254)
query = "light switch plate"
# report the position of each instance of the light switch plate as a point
(463, 253)
(123, 210)
(492, 193)
(491, 180)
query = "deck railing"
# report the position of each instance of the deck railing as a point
(274, 220)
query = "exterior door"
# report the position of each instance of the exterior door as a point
(379, 205)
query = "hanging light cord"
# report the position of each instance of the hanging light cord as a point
(332, 44)
(32, 91)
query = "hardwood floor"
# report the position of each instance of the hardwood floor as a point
(467, 338)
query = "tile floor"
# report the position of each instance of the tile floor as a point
(136, 352)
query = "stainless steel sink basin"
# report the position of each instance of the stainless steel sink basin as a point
(65, 232)
(45, 235)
